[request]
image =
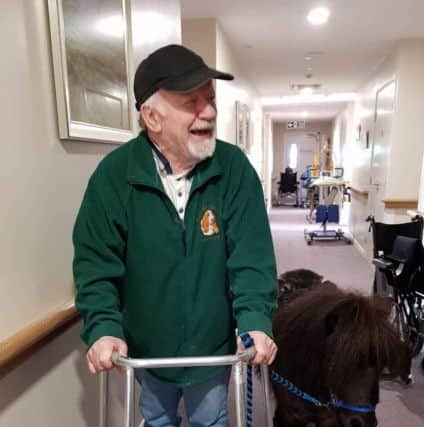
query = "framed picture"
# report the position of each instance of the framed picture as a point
(90, 50)
(367, 139)
(247, 136)
(243, 124)
(358, 132)
(239, 124)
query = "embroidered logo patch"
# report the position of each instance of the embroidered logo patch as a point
(208, 224)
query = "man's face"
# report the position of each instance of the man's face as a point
(189, 122)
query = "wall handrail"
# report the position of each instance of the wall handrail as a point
(19, 346)
(359, 191)
(400, 203)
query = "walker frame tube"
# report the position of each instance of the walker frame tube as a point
(236, 360)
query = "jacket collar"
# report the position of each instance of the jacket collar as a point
(142, 167)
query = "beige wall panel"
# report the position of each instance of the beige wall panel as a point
(200, 36)
(206, 37)
(42, 180)
(51, 389)
(357, 157)
(408, 126)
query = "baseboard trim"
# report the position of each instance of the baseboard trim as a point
(360, 249)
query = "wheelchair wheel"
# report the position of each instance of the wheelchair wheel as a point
(408, 320)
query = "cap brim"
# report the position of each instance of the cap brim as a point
(194, 80)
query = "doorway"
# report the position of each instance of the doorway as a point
(306, 146)
(380, 150)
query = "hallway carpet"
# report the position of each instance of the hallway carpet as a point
(335, 260)
(341, 263)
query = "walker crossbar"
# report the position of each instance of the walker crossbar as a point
(236, 360)
(177, 362)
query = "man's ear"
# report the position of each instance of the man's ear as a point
(151, 119)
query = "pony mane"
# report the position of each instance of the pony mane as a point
(330, 332)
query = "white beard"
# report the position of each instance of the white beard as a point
(203, 150)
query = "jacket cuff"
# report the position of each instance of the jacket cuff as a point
(110, 329)
(254, 321)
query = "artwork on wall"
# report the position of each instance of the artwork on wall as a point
(247, 127)
(243, 126)
(367, 139)
(358, 132)
(90, 50)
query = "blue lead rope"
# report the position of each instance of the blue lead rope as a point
(247, 342)
(293, 389)
(340, 404)
(332, 402)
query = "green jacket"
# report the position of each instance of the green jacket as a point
(171, 288)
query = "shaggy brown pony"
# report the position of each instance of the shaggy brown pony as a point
(292, 283)
(329, 339)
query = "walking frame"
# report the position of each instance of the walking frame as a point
(236, 361)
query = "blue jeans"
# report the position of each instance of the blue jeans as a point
(205, 404)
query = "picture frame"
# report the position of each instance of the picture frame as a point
(243, 126)
(358, 132)
(247, 127)
(91, 63)
(239, 118)
(367, 139)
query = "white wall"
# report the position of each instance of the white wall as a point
(206, 37)
(343, 139)
(408, 124)
(355, 156)
(42, 180)
(52, 388)
(406, 66)
(240, 89)
(268, 153)
(200, 35)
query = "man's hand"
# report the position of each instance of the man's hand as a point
(266, 349)
(99, 356)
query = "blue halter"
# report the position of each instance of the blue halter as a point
(332, 402)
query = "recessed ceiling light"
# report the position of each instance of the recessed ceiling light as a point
(306, 91)
(304, 114)
(318, 16)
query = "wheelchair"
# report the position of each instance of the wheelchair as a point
(398, 257)
(288, 189)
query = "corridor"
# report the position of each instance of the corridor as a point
(399, 406)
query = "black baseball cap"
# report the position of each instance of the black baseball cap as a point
(174, 68)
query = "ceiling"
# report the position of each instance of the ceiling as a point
(317, 112)
(270, 39)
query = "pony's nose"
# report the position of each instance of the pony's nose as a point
(355, 421)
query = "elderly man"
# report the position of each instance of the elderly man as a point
(173, 250)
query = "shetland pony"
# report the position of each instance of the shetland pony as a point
(332, 340)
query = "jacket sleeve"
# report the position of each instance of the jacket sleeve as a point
(99, 239)
(251, 262)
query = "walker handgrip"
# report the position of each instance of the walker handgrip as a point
(175, 362)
